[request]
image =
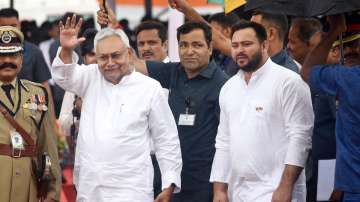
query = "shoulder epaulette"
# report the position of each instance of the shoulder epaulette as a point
(27, 82)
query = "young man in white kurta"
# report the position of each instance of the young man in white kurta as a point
(117, 122)
(265, 124)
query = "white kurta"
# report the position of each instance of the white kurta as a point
(264, 125)
(117, 122)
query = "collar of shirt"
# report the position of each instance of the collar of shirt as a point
(221, 59)
(259, 72)
(209, 71)
(13, 83)
(279, 57)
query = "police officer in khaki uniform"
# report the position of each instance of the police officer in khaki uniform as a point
(25, 158)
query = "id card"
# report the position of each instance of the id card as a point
(17, 141)
(186, 119)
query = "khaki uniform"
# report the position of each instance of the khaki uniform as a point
(17, 176)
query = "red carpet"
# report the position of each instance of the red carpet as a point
(68, 193)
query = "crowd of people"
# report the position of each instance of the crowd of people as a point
(247, 113)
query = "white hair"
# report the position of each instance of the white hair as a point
(107, 32)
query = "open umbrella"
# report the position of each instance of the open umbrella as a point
(286, 7)
(332, 7)
(303, 7)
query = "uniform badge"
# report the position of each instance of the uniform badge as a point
(17, 141)
(35, 104)
(32, 106)
(6, 37)
(42, 106)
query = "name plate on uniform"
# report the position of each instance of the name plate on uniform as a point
(186, 119)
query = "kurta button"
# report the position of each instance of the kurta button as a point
(17, 173)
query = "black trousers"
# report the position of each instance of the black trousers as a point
(193, 196)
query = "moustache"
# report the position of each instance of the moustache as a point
(241, 56)
(147, 53)
(8, 64)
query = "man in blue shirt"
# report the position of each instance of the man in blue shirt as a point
(194, 85)
(344, 83)
(276, 27)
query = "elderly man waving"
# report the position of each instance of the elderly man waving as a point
(122, 110)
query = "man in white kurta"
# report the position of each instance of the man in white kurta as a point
(117, 122)
(265, 125)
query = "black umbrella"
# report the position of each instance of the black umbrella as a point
(303, 7)
(286, 7)
(332, 7)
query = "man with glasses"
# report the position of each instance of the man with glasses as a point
(121, 111)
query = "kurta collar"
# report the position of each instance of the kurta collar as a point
(259, 71)
(123, 80)
(263, 68)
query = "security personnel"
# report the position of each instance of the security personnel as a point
(22, 153)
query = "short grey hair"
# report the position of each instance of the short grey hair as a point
(107, 32)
